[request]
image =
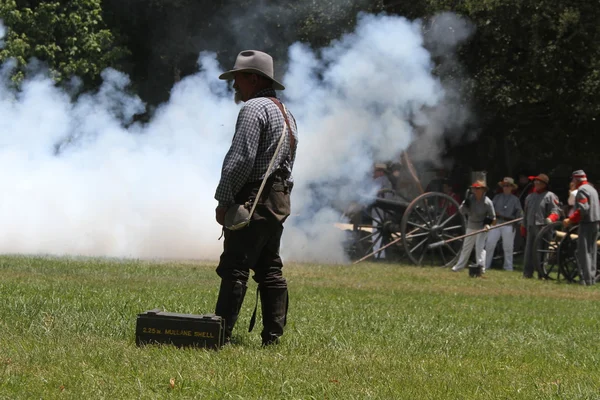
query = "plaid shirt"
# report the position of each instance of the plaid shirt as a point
(257, 132)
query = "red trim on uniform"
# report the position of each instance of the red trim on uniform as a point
(576, 217)
(553, 217)
(583, 200)
(523, 231)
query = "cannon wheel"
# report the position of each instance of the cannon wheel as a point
(568, 259)
(380, 230)
(567, 255)
(426, 220)
(546, 244)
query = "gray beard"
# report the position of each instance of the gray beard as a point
(237, 97)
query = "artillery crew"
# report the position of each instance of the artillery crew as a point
(541, 208)
(479, 211)
(587, 215)
(507, 207)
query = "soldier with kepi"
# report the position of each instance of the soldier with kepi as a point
(587, 215)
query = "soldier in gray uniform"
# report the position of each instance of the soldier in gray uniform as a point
(479, 210)
(587, 215)
(541, 208)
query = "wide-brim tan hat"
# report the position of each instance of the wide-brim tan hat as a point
(254, 62)
(508, 181)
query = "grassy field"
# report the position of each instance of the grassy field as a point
(354, 332)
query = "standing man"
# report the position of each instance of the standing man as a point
(479, 210)
(260, 124)
(541, 208)
(587, 215)
(507, 207)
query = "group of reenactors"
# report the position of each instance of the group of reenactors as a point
(542, 207)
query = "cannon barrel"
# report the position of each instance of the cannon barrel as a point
(396, 204)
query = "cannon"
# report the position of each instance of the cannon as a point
(405, 230)
(556, 253)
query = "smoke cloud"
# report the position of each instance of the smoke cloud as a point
(80, 178)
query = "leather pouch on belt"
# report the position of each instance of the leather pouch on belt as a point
(237, 217)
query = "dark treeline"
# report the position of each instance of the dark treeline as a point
(530, 71)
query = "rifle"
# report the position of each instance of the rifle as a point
(443, 242)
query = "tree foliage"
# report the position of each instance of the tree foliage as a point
(533, 75)
(69, 35)
(536, 64)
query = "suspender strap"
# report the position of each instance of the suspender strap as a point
(287, 122)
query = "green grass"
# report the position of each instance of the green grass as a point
(354, 332)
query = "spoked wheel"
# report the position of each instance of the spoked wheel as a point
(385, 229)
(567, 255)
(366, 240)
(428, 219)
(358, 243)
(546, 250)
(376, 226)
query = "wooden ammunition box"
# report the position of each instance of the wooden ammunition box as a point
(156, 326)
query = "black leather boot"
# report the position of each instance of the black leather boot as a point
(229, 303)
(274, 306)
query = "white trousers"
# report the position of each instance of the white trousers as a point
(476, 240)
(507, 233)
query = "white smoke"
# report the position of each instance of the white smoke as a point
(76, 181)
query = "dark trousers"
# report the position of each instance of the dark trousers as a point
(256, 247)
(530, 256)
(587, 246)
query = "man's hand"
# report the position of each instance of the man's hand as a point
(486, 227)
(566, 222)
(220, 214)
(548, 221)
